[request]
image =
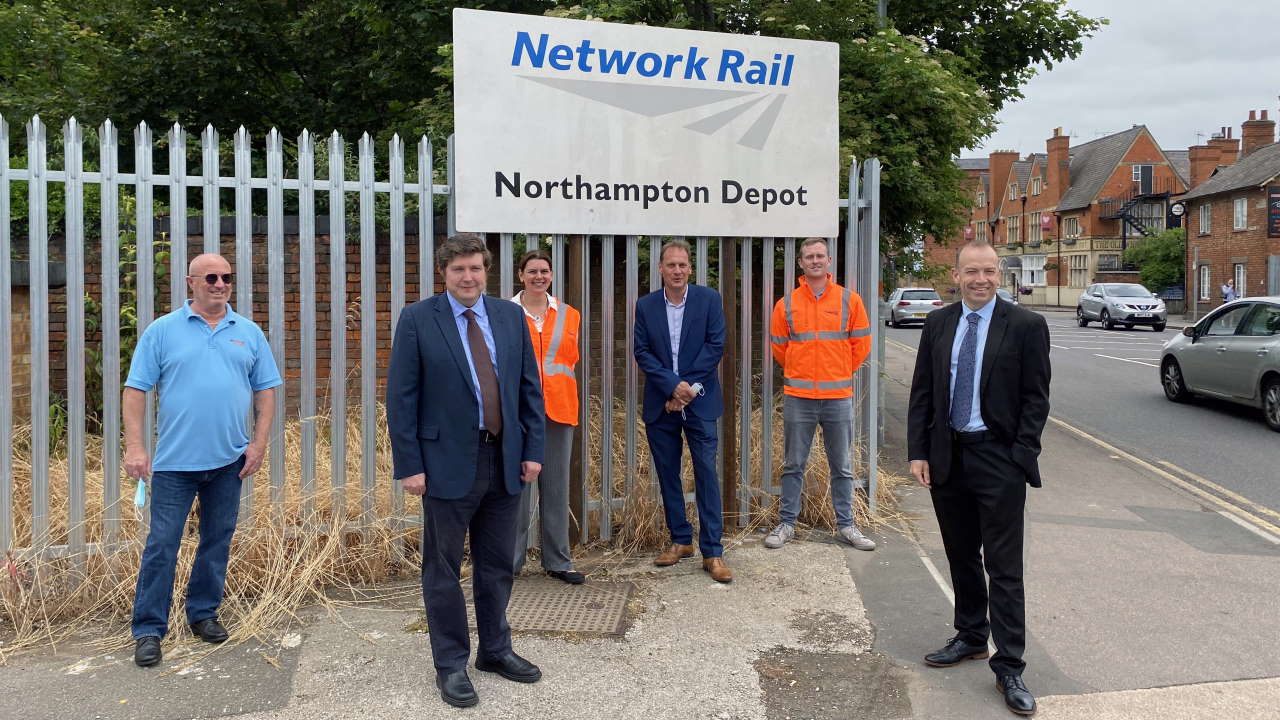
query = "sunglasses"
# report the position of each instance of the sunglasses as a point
(212, 278)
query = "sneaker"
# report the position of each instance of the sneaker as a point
(853, 536)
(779, 536)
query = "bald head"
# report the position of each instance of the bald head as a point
(206, 263)
(977, 272)
(209, 298)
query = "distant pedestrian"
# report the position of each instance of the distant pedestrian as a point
(820, 336)
(979, 402)
(553, 327)
(209, 366)
(1229, 292)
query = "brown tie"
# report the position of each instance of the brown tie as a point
(485, 374)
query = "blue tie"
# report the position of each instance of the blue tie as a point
(962, 396)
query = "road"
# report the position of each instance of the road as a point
(1107, 383)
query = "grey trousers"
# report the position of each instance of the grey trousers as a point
(553, 503)
(801, 418)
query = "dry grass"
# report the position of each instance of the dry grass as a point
(296, 552)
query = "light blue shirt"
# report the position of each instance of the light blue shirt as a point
(675, 323)
(985, 312)
(482, 319)
(206, 378)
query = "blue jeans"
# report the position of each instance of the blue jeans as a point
(172, 493)
(800, 418)
(665, 447)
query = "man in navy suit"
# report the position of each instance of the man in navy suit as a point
(679, 340)
(464, 411)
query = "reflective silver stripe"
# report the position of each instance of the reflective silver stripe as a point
(824, 335)
(779, 340)
(819, 385)
(844, 309)
(791, 323)
(549, 367)
(864, 332)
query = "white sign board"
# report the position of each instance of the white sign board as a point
(576, 127)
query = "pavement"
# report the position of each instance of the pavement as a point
(1144, 601)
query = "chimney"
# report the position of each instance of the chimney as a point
(1058, 148)
(1228, 147)
(1001, 163)
(1256, 132)
(1203, 159)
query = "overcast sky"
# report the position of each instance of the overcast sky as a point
(1180, 67)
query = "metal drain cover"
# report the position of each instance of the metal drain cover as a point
(549, 605)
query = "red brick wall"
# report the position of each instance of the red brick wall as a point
(1225, 246)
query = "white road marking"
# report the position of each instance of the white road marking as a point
(1250, 527)
(1135, 362)
(945, 586)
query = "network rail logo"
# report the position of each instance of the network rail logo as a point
(729, 73)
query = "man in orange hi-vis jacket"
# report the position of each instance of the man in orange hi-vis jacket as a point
(820, 336)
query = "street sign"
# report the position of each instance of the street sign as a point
(1273, 211)
(575, 127)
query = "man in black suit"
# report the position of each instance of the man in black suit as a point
(979, 402)
(464, 412)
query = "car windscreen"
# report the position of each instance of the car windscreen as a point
(1127, 291)
(919, 295)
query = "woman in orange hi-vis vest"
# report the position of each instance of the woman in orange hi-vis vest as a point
(553, 325)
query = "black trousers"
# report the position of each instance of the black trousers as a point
(490, 515)
(980, 512)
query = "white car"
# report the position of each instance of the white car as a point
(1126, 304)
(911, 305)
(1232, 354)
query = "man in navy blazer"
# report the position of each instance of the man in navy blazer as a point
(679, 340)
(464, 412)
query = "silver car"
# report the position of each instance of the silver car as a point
(1126, 304)
(1007, 296)
(911, 305)
(1232, 354)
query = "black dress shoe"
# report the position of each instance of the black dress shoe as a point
(1016, 695)
(457, 690)
(573, 577)
(512, 667)
(209, 630)
(147, 651)
(955, 652)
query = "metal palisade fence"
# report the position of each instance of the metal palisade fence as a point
(745, 271)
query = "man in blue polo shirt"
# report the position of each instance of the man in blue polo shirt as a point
(208, 365)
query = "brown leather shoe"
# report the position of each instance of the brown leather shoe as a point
(673, 555)
(719, 571)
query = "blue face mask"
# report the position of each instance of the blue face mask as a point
(140, 496)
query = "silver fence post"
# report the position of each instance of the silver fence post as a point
(395, 159)
(584, 386)
(606, 386)
(655, 284)
(871, 185)
(337, 331)
(426, 220)
(506, 244)
(6, 350)
(632, 376)
(275, 306)
(451, 217)
(307, 319)
(368, 336)
(73, 163)
(145, 287)
(38, 244)
(744, 378)
(212, 208)
(110, 281)
(244, 268)
(767, 263)
(177, 216)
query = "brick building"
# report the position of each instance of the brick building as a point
(1061, 219)
(1229, 211)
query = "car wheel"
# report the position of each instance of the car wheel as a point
(1158, 327)
(1271, 403)
(1081, 320)
(1128, 326)
(893, 322)
(1106, 321)
(1175, 388)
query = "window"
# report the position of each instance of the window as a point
(982, 199)
(1205, 227)
(1226, 323)
(1013, 191)
(1109, 261)
(1152, 215)
(1238, 272)
(1035, 185)
(1033, 270)
(1241, 219)
(1071, 227)
(1264, 322)
(1137, 173)
(1013, 229)
(1204, 282)
(982, 232)
(1078, 266)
